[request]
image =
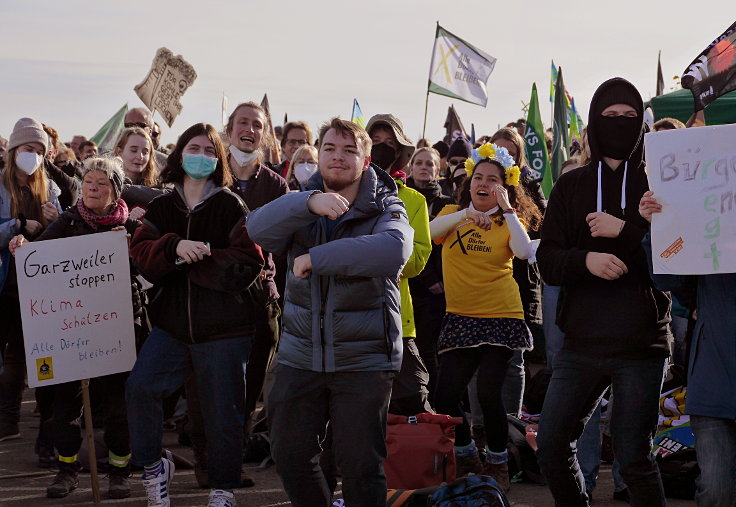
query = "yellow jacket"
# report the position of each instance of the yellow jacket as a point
(416, 208)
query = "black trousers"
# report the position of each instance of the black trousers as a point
(356, 404)
(457, 367)
(12, 380)
(67, 413)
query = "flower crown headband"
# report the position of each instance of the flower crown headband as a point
(498, 154)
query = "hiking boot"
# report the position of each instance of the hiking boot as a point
(9, 432)
(468, 465)
(118, 479)
(498, 472)
(157, 486)
(221, 498)
(246, 479)
(621, 495)
(66, 480)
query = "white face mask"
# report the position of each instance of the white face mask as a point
(303, 171)
(28, 161)
(242, 157)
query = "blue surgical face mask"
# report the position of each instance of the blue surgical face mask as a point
(198, 167)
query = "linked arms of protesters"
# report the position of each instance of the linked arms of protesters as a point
(272, 226)
(382, 253)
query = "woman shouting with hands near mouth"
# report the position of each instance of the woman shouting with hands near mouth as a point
(484, 322)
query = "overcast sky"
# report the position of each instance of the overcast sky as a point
(72, 64)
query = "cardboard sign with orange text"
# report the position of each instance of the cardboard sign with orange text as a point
(693, 175)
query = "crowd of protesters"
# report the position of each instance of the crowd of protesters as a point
(358, 274)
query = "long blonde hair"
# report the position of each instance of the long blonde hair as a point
(38, 184)
(298, 153)
(149, 175)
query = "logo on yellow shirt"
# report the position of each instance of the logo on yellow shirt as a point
(474, 242)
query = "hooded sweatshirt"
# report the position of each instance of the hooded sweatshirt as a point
(627, 317)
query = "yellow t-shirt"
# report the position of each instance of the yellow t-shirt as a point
(477, 270)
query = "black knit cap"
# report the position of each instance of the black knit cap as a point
(442, 148)
(460, 148)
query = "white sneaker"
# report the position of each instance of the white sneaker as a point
(221, 498)
(157, 486)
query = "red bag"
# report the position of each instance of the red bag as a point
(421, 450)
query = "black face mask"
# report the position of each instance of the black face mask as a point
(383, 155)
(618, 135)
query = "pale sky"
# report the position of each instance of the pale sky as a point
(72, 64)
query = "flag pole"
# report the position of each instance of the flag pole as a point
(426, 102)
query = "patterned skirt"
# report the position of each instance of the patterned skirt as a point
(459, 331)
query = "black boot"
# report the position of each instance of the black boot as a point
(119, 484)
(65, 481)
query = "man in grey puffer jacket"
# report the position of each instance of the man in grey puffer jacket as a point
(348, 238)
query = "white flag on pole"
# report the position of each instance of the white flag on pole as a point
(459, 70)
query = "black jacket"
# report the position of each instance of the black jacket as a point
(205, 300)
(432, 272)
(69, 186)
(527, 275)
(263, 187)
(626, 317)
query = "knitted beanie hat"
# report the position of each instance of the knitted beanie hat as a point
(28, 130)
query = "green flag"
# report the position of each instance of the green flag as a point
(107, 136)
(536, 147)
(559, 128)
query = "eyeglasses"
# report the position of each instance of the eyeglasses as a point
(300, 142)
(456, 161)
(137, 124)
(154, 133)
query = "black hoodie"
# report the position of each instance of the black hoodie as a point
(626, 317)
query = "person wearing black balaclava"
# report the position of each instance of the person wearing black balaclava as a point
(615, 322)
(459, 151)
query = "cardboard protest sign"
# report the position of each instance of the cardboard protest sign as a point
(693, 175)
(170, 76)
(75, 302)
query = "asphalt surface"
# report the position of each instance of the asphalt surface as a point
(23, 483)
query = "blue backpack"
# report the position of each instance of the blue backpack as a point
(471, 491)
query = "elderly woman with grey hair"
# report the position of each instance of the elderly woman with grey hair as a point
(99, 210)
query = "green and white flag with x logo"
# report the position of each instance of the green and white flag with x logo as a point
(459, 70)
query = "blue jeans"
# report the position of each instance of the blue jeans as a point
(576, 388)
(300, 403)
(715, 446)
(163, 365)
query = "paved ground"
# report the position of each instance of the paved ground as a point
(23, 484)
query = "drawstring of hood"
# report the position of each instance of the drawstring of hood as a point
(600, 187)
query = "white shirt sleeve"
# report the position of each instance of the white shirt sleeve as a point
(519, 242)
(440, 226)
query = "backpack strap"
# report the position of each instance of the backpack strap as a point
(397, 497)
